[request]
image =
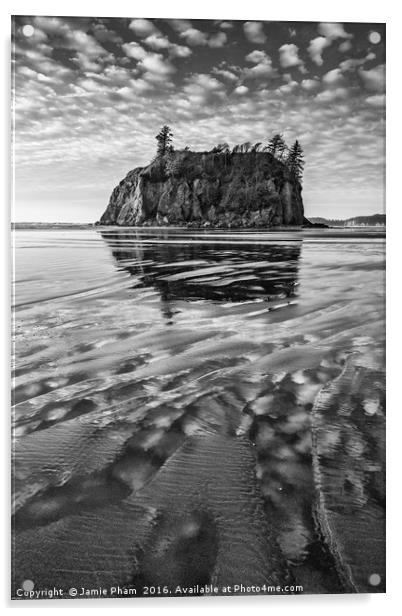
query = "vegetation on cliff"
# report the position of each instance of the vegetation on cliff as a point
(246, 186)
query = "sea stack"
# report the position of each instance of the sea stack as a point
(208, 189)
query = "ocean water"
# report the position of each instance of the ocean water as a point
(201, 407)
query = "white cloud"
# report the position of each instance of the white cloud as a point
(194, 37)
(155, 63)
(334, 77)
(143, 27)
(241, 90)
(224, 73)
(333, 30)
(254, 32)
(134, 50)
(263, 65)
(217, 40)
(316, 48)
(345, 46)
(377, 100)
(374, 79)
(332, 95)
(256, 56)
(157, 41)
(288, 55)
(309, 84)
(179, 51)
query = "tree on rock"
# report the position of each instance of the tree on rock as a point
(276, 146)
(164, 139)
(295, 162)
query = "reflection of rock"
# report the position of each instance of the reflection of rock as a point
(209, 270)
(232, 190)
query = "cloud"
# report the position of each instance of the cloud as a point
(263, 65)
(194, 37)
(288, 87)
(204, 89)
(217, 40)
(333, 77)
(333, 31)
(374, 79)
(345, 46)
(256, 56)
(288, 55)
(241, 90)
(332, 95)
(316, 48)
(143, 27)
(310, 84)
(159, 41)
(224, 73)
(226, 25)
(104, 34)
(179, 51)
(156, 63)
(254, 31)
(377, 100)
(134, 50)
(180, 25)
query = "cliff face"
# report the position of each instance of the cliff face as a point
(200, 189)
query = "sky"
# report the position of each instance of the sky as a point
(90, 94)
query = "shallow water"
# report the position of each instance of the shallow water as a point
(218, 395)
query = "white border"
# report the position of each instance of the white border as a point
(290, 10)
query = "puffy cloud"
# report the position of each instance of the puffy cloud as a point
(263, 65)
(288, 87)
(159, 41)
(334, 77)
(204, 89)
(310, 84)
(288, 55)
(143, 27)
(180, 25)
(217, 40)
(225, 73)
(332, 95)
(134, 50)
(256, 56)
(333, 30)
(155, 63)
(254, 31)
(261, 70)
(377, 100)
(374, 79)
(316, 48)
(179, 51)
(241, 90)
(104, 34)
(345, 46)
(194, 37)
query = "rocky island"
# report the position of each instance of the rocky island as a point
(248, 186)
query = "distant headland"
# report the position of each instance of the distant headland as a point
(244, 187)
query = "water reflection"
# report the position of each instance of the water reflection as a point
(210, 270)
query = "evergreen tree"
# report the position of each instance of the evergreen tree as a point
(164, 139)
(276, 146)
(295, 162)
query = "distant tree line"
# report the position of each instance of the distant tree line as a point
(292, 157)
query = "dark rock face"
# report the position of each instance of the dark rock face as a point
(204, 189)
